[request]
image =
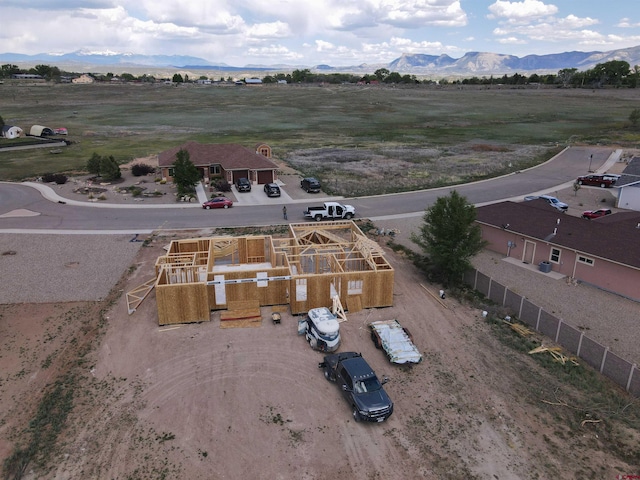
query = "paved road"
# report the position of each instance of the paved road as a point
(69, 217)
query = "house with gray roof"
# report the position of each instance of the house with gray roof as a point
(628, 186)
(224, 161)
(603, 252)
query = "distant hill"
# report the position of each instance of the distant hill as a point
(495, 63)
(81, 57)
(472, 63)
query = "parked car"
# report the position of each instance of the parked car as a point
(601, 181)
(272, 190)
(310, 185)
(217, 202)
(553, 201)
(243, 185)
(601, 212)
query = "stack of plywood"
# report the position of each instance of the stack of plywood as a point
(241, 314)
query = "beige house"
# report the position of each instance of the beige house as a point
(84, 78)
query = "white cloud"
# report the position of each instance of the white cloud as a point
(511, 41)
(420, 13)
(627, 23)
(519, 11)
(269, 30)
(305, 31)
(271, 52)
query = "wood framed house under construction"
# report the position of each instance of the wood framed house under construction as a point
(305, 270)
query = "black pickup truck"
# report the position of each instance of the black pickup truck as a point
(359, 385)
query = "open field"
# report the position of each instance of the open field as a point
(395, 138)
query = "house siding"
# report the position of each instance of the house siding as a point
(607, 275)
(629, 197)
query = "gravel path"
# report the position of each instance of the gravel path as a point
(62, 268)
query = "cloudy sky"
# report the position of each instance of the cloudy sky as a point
(312, 32)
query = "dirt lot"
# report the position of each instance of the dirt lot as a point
(201, 402)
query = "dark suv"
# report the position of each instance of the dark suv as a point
(243, 185)
(272, 190)
(310, 185)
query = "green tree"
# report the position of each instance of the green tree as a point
(449, 238)
(185, 173)
(566, 75)
(393, 77)
(300, 76)
(381, 74)
(614, 72)
(7, 70)
(177, 78)
(634, 117)
(109, 168)
(93, 164)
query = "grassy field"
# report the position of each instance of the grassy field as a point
(424, 135)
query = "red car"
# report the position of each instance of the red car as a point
(601, 212)
(217, 202)
(601, 181)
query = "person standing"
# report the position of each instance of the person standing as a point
(284, 212)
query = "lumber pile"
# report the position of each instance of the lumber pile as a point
(241, 314)
(556, 353)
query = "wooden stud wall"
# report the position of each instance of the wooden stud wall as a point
(332, 252)
(184, 303)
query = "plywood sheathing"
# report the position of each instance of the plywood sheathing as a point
(303, 271)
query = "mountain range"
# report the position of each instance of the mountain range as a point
(472, 63)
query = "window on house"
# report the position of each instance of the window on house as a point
(301, 289)
(354, 287)
(214, 170)
(585, 260)
(555, 255)
(171, 172)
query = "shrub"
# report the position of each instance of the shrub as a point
(140, 169)
(222, 185)
(58, 178)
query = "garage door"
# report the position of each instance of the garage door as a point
(240, 174)
(265, 176)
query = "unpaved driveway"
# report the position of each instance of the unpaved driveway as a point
(203, 402)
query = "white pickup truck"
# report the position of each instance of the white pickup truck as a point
(330, 211)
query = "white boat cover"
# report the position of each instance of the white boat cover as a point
(396, 343)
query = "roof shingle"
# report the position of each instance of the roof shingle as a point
(615, 237)
(229, 155)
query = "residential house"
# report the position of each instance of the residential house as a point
(224, 161)
(628, 186)
(84, 78)
(604, 252)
